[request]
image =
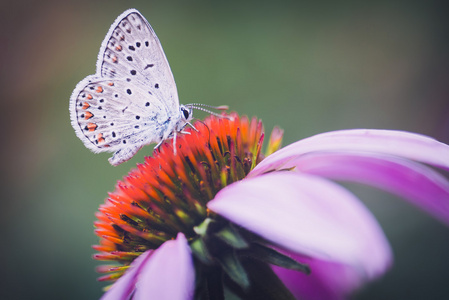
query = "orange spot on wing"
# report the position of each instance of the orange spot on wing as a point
(89, 96)
(92, 126)
(100, 138)
(114, 59)
(88, 115)
(111, 84)
(99, 89)
(118, 48)
(85, 105)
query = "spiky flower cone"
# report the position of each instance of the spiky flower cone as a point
(168, 194)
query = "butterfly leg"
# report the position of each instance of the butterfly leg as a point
(193, 127)
(174, 142)
(159, 144)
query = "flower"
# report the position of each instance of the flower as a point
(220, 218)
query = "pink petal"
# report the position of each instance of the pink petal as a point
(421, 185)
(169, 273)
(328, 280)
(308, 215)
(398, 143)
(124, 286)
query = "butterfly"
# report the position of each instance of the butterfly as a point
(131, 100)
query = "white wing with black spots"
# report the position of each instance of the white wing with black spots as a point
(132, 99)
(111, 114)
(132, 50)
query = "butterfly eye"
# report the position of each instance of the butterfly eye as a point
(185, 113)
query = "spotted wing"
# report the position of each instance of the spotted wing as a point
(116, 115)
(131, 50)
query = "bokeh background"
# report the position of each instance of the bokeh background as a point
(306, 67)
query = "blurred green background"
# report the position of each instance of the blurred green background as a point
(308, 68)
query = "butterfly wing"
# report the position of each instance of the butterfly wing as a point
(132, 99)
(114, 115)
(131, 50)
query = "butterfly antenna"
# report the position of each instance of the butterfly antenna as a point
(221, 107)
(200, 106)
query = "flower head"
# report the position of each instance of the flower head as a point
(220, 218)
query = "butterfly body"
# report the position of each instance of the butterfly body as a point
(131, 100)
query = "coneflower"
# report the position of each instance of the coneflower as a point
(220, 219)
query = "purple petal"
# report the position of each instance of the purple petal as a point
(397, 143)
(124, 286)
(169, 273)
(421, 185)
(328, 280)
(308, 215)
